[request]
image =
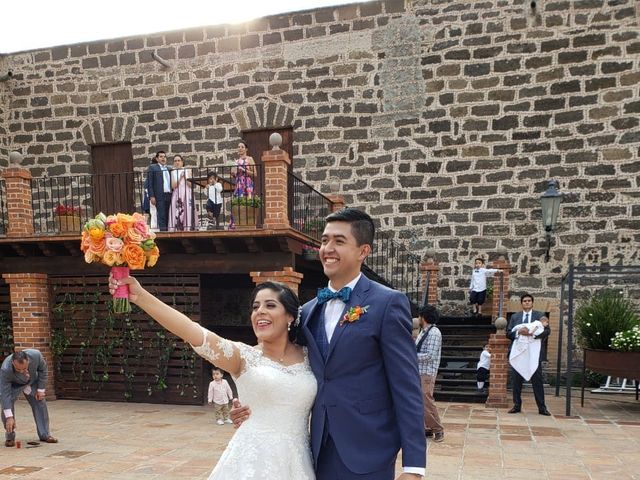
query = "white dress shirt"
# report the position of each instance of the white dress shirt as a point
(479, 278)
(166, 179)
(334, 308)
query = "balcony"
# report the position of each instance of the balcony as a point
(41, 220)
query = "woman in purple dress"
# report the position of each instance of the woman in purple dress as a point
(181, 210)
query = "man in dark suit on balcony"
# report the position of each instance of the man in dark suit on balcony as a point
(521, 320)
(160, 188)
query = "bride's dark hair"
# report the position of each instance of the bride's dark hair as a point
(289, 301)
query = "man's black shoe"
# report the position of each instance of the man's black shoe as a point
(545, 412)
(514, 410)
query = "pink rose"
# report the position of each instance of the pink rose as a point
(114, 244)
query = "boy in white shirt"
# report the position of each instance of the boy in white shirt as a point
(478, 286)
(482, 370)
(214, 202)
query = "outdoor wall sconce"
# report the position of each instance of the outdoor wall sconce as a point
(550, 202)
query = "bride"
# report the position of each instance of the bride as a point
(274, 377)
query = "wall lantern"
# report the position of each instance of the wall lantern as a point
(550, 202)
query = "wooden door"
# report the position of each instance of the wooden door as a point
(113, 178)
(258, 141)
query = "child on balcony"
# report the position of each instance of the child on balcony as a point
(214, 202)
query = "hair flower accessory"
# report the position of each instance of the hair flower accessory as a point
(354, 314)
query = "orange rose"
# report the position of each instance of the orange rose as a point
(134, 236)
(134, 256)
(98, 247)
(118, 229)
(125, 219)
(152, 256)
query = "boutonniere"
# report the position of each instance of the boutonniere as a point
(353, 314)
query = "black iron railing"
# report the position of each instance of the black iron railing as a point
(62, 204)
(307, 207)
(393, 264)
(3, 208)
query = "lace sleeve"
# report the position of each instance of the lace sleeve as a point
(250, 356)
(223, 353)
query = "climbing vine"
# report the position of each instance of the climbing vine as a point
(97, 350)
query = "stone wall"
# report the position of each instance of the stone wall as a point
(442, 118)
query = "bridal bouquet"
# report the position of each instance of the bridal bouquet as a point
(121, 242)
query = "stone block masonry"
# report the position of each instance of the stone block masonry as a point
(443, 119)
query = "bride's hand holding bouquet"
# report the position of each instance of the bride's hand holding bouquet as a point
(122, 242)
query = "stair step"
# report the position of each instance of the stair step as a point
(459, 358)
(483, 320)
(464, 327)
(456, 381)
(445, 370)
(460, 397)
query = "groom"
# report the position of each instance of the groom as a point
(369, 400)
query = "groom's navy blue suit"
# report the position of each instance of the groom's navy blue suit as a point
(369, 400)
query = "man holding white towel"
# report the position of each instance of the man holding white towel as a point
(523, 319)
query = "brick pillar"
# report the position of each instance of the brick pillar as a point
(337, 202)
(505, 267)
(29, 294)
(433, 269)
(276, 188)
(499, 371)
(287, 275)
(19, 209)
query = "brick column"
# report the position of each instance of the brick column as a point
(19, 209)
(29, 294)
(287, 275)
(337, 202)
(433, 269)
(505, 267)
(276, 188)
(499, 371)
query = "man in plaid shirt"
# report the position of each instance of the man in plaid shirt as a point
(428, 346)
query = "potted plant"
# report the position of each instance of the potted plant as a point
(68, 218)
(607, 328)
(244, 210)
(310, 252)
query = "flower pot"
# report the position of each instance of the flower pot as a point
(69, 224)
(244, 216)
(613, 363)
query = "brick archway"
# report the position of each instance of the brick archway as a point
(263, 113)
(108, 130)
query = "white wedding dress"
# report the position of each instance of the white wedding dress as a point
(273, 444)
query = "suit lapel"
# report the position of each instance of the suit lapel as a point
(311, 343)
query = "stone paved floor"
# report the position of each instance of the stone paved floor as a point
(143, 441)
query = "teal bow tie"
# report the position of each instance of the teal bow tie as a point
(325, 294)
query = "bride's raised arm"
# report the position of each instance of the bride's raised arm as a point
(219, 351)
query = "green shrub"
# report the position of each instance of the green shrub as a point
(255, 201)
(601, 317)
